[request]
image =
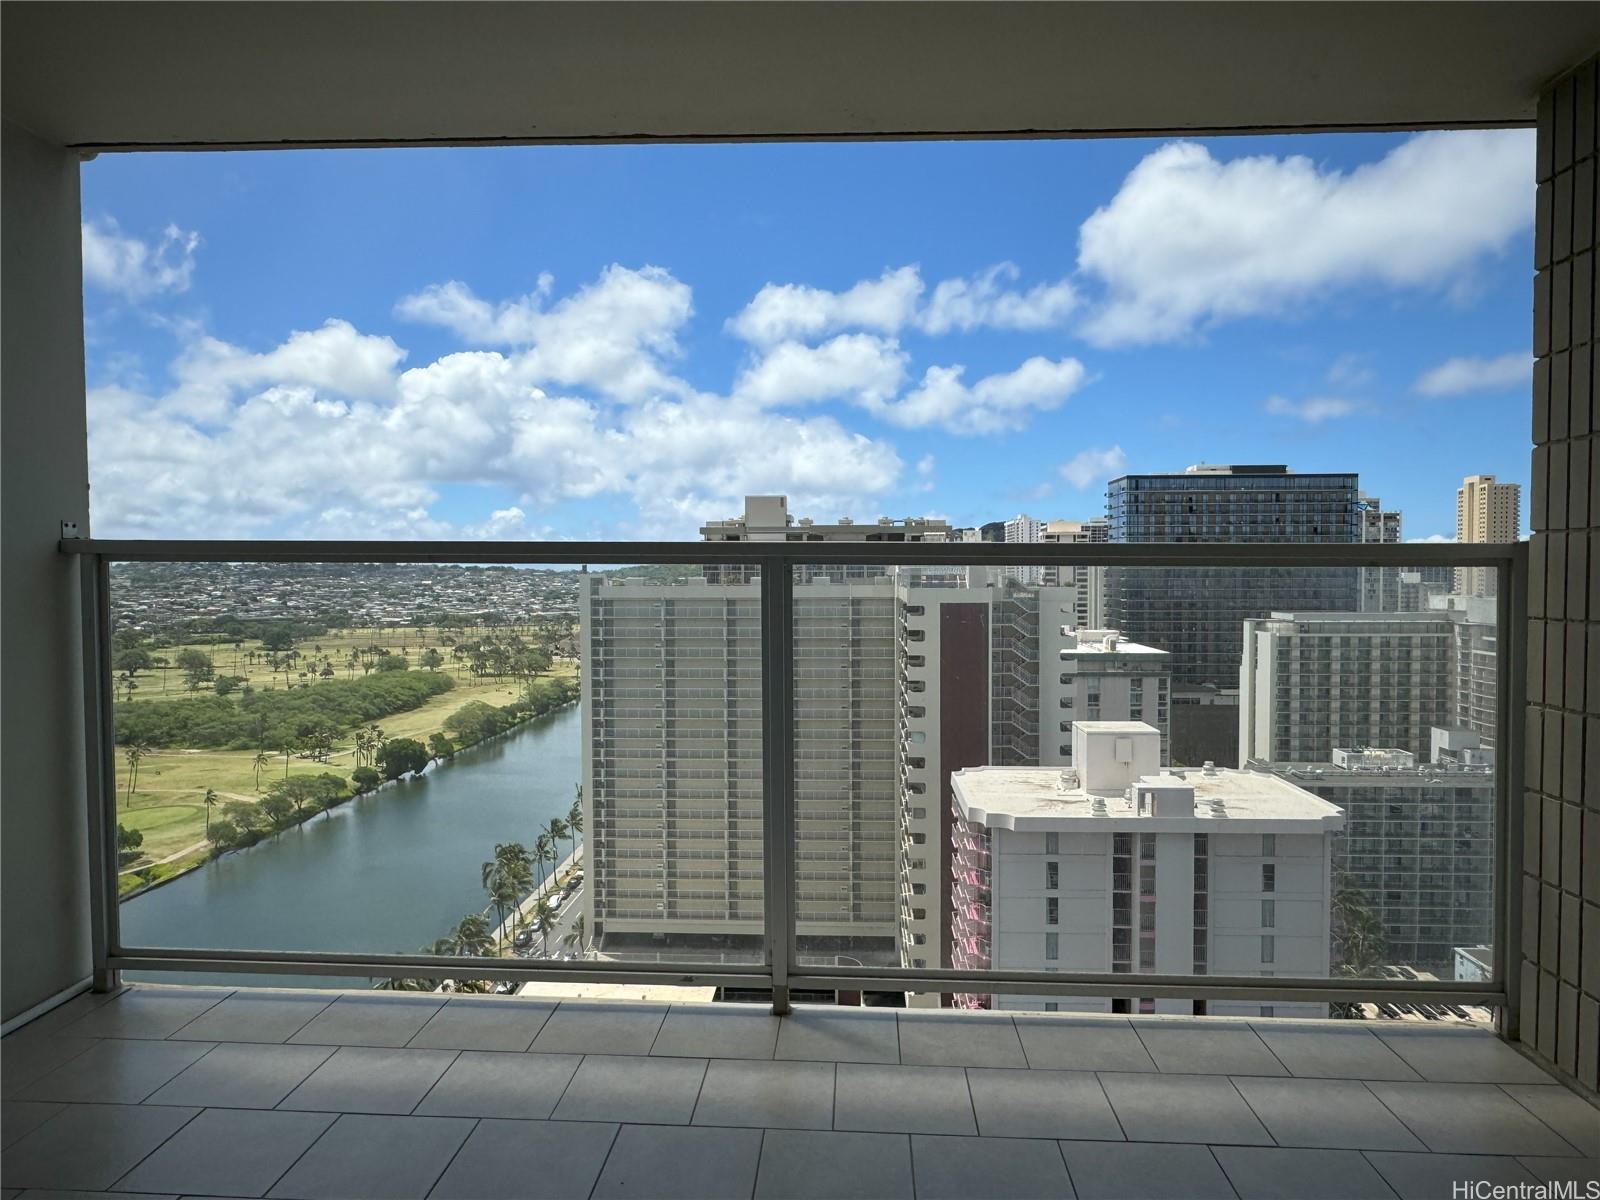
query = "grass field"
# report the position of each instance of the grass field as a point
(167, 804)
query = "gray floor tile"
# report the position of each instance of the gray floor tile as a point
(55, 1021)
(368, 1021)
(806, 1165)
(1182, 1108)
(1431, 1176)
(1259, 1173)
(955, 1040)
(25, 1059)
(243, 1075)
(1469, 1118)
(484, 1084)
(869, 1035)
(1329, 1051)
(1198, 1048)
(1564, 1111)
(773, 1095)
(1460, 1056)
(625, 1088)
(90, 1146)
(375, 1158)
(53, 1194)
(887, 1099)
(365, 1079)
(1082, 1044)
(261, 1016)
(959, 1168)
(696, 1031)
(1041, 1104)
(19, 1117)
(1148, 1170)
(595, 1028)
(116, 1072)
(1582, 1171)
(681, 1164)
(146, 1013)
(1335, 1114)
(228, 1152)
(527, 1160)
(484, 1023)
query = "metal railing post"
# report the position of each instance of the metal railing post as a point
(100, 766)
(1511, 662)
(777, 767)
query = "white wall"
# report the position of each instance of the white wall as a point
(44, 899)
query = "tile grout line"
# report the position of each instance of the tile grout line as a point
(565, 1087)
(1501, 1088)
(1256, 1033)
(1072, 1188)
(146, 1155)
(656, 1037)
(1228, 1179)
(600, 1174)
(181, 1072)
(1249, 1108)
(454, 1154)
(972, 1105)
(1115, 1115)
(428, 1091)
(1366, 1157)
(1397, 1116)
(284, 1174)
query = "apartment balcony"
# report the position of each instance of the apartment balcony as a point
(177, 1091)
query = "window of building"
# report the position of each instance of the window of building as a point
(1052, 911)
(1269, 948)
(1269, 877)
(1052, 1006)
(1269, 845)
(1052, 946)
(1269, 913)
(1052, 843)
(1052, 876)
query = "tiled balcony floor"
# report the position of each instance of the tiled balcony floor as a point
(183, 1091)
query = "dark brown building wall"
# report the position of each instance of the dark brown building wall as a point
(963, 724)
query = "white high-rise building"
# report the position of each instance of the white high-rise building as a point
(1486, 511)
(1024, 529)
(1090, 581)
(1117, 866)
(1376, 525)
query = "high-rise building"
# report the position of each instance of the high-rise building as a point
(1117, 866)
(1486, 511)
(1312, 682)
(1376, 525)
(1417, 846)
(1089, 581)
(1023, 529)
(1197, 613)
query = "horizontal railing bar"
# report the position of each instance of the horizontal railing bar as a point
(928, 554)
(1198, 987)
(430, 964)
(377, 968)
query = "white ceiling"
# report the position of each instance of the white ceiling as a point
(163, 74)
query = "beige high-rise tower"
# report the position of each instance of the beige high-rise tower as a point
(1486, 511)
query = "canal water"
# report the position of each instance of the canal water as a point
(386, 873)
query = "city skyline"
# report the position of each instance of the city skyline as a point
(796, 319)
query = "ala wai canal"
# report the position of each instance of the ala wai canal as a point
(386, 873)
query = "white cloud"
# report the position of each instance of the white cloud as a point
(1189, 242)
(785, 311)
(1091, 466)
(886, 305)
(1458, 375)
(853, 366)
(925, 476)
(1313, 410)
(982, 302)
(995, 404)
(1351, 371)
(611, 335)
(1431, 539)
(134, 269)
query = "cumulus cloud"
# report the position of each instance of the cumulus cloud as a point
(1431, 539)
(853, 366)
(994, 404)
(1313, 410)
(1458, 375)
(612, 335)
(135, 269)
(1190, 242)
(1093, 465)
(891, 303)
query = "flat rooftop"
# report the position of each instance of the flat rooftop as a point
(1036, 799)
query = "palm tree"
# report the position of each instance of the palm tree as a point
(544, 914)
(499, 880)
(575, 816)
(558, 830)
(134, 754)
(473, 936)
(286, 750)
(210, 803)
(575, 935)
(262, 760)
(541, 853)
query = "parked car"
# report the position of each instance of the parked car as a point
(505, 987)
(555, 902)
(524, 938)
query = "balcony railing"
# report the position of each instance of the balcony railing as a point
(783, 967)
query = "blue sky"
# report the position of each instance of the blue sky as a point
(621, 341)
